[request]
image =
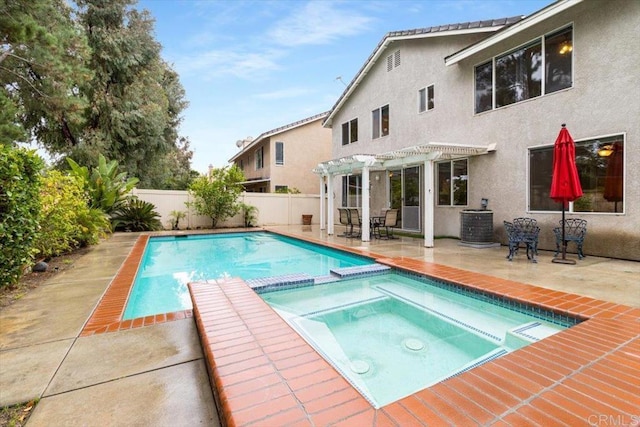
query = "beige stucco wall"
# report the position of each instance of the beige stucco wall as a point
(604, 100)
(305, 146)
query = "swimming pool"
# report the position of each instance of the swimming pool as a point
(169, 263)
(391, 335)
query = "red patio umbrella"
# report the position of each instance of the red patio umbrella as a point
(565, 182)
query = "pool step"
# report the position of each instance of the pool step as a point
(321, 280)
(499, 352)
(287, 281)
(528, 333)
(360, 270)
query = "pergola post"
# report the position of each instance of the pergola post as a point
(429, 202)
(364, 226)
(330, 204)
(322, 202)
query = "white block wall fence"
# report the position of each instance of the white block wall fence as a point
(273, 208)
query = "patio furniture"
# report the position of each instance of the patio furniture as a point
(345, 219)
(354, 215)
(575, 229)
(522, 230)
(389, 223)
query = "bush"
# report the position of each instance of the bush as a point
(136, 215)
(106, 187)
(216, 196)
(67, 221)
(19, 210)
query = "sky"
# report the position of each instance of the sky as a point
(248, 67)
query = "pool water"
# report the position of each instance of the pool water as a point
(391, 335)
(170, 263)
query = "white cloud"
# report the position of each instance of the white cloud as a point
(318, 22)
(216, 63)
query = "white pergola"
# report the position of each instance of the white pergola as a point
(425, 154)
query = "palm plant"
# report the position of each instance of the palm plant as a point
(136, 215)
(107, 189)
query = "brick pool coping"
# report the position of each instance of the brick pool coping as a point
(107, 316)
(263, 373)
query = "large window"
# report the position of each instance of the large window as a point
(260, 158)
(519, 75)
(350, 132)
(452, 183)
(426, 99)
(600, 163)
(380, 119)
(540, 67)
(352, 191)
(279, 153)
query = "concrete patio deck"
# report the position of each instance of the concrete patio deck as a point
(156, 375)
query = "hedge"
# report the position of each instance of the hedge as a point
(19, 210)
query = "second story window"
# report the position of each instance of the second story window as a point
(540, 67)
(350, 132)
(260, 158)
(279, 153)
(426, 99)
(380, 119)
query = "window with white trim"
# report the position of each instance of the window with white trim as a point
(426, 99)
(279, 153)
(600, 163)
(350, 132)
(453, 179)
(380, 122)
(543, 66)
(352, 191)
(260, 158)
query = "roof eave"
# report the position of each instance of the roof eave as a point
(511, 30)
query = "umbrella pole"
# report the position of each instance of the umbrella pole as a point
(564, 259)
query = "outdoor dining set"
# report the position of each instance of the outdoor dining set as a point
(381, 227)
(525, 231)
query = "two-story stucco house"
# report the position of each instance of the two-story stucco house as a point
(282, 159)
(440, 118)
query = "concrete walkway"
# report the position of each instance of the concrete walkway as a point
(155, 375)
(145, 376)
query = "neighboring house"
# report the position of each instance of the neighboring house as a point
(440, 118)
(282, 159)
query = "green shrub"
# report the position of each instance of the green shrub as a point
(250, 214)
(107, 189)
(93, 224)
(136, 215)
(67, 221)
(19, 210)
(175, 217)
(216, 195)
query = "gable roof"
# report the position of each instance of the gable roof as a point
(531, 20)
(491, 25)
(276, 131)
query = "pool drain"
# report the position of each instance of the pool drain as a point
(359, 366)
(413, 344)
